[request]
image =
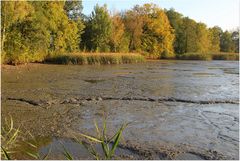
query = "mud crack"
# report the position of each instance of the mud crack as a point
(149, 99)
(31, 102)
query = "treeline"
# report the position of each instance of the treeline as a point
(191, 36)
(35, 30)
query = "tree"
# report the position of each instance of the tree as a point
(226, 42)
(11, 12)
(214, 38)
(176, 21)
(73, 9)
(202, 38)
(134, 24)
(235, 38)
(118, 39)
(44, 30)
(150, 31)
(98, 30)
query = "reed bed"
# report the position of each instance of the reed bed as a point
(95, 58)
(225, 56)
(209, 56)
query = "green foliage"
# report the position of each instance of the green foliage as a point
(226, 43)
(214, 38)
(98, 30)
(196, 37)
(235, 38)
(31, 31)
(9, 137)
(73, 9)
(108, 145)
(42, 28)
(176, 21)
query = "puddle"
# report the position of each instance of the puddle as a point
(94, 80)
(54, 147)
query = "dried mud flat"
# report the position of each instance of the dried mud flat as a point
(176, 109)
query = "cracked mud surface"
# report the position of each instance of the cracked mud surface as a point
(177, 109)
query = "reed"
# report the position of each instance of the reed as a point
(225, 56)
(95, 58)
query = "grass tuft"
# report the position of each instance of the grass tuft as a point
(108, 145)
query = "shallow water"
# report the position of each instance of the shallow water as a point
(165, 101)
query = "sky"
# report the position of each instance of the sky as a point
(223, 13)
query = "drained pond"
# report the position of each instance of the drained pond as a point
(176, 109)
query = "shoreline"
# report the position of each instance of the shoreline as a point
(36, 64)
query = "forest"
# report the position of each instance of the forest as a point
(32, 31)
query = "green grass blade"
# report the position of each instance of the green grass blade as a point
(49, 151)
(104, 129)
(117, 139)
(105, 150)
(97, 129)
(66, 153)
(5, 153)
(115, 143)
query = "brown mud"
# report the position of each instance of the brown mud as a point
(175, 111)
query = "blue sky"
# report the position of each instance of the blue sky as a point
(224, 13)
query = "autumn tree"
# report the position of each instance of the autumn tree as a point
(134, 24)
(214, 38)
(202, 40)
(150, 31)
(119, 41)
